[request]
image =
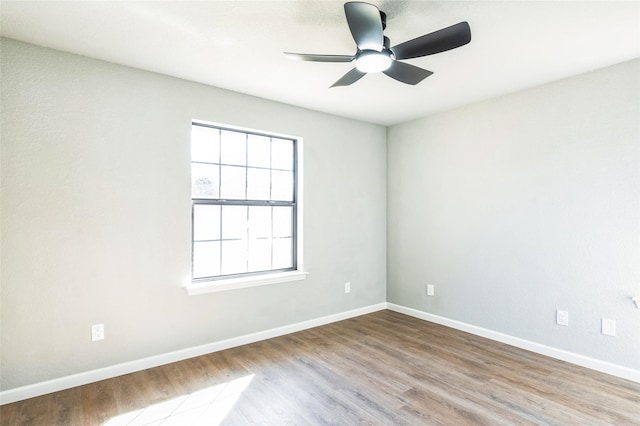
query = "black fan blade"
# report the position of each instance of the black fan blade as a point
(319, 58)
(439, 41)
(349, 78)
(365, 24)
(406, 73)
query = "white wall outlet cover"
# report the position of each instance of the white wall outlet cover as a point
(347, 287)
(430, 290)
(562, 317)
(608, 327)
(97, 332)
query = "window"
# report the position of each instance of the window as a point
(244, 203)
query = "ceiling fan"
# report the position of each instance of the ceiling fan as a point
(373, 54)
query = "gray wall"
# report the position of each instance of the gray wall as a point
(511, 208)
(96, 214)
(519, 205)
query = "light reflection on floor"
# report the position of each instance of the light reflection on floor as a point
(208, 406)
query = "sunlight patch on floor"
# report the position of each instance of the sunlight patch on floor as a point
(207, 406)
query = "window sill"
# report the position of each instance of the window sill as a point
(243, 282)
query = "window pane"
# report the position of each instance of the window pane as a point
(282, 154)
(282, 221)
(234, 222)
(206, 222)
(259, 222)
(206, 259)
(244, 231)
(204, 180)
(282, 253)
(259, 255)
(259, 154)
(205, 144)
(258, 184)
(234, 257)
(281, 185)
(233, 183)
(233, 148)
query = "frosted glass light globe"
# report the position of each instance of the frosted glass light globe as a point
(372, 61)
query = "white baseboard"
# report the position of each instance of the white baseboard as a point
(573, 358)
(42, 388)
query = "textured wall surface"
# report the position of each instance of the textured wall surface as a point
(96, 215)
(521, 205)
(512, 208)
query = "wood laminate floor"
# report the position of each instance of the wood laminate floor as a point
(383, 368)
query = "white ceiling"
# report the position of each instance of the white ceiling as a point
(238, 45)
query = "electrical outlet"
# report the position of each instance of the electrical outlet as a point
(347, 287)
(97, 332)
(430, 290)
(608, 327)
(562, 317)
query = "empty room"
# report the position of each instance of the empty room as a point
(308, 212)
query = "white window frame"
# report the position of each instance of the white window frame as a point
(204, 286)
